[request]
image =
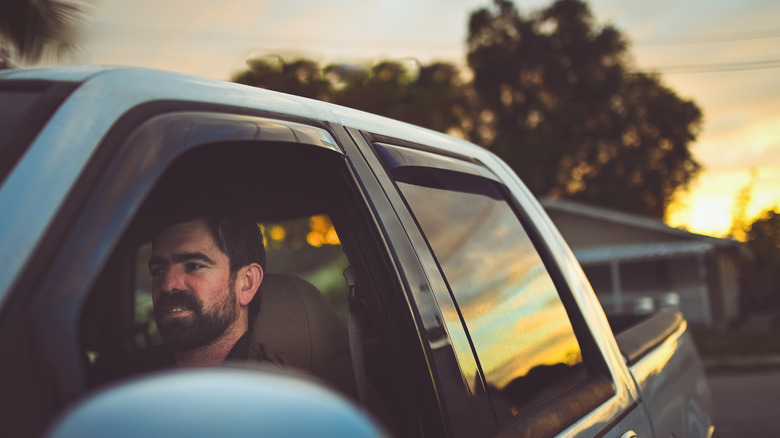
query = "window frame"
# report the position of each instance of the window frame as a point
(465, 413)
(395, 154)
(44, 305)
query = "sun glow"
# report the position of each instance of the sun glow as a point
(710, 206)
(702, 214)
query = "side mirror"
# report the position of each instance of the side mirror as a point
(215, 402)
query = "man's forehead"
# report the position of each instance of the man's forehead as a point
(189, 235)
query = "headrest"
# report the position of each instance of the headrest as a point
(296, 321)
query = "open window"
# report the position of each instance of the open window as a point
(299, 189)
(290, 204)
(288, 188)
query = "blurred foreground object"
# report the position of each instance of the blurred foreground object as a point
(34, 30)
(216, 402)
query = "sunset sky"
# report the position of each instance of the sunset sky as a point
(723, 54)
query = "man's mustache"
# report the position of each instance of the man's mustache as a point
(183, 299)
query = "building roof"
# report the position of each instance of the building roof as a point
(632, 220)
(645, 251)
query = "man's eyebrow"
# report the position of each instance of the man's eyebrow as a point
(181, 258)
(191, 256)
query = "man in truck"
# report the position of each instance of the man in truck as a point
(206, 266)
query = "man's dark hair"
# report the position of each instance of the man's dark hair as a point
(233, 228)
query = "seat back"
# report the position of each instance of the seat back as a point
(296, 321)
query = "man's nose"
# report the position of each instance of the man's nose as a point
(173, 279)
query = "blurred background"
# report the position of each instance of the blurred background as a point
(721, 55)
(660, 119)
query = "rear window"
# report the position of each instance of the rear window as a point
(537, 363)
(518, 325)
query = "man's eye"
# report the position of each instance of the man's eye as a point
(156, 271)
(191, 267)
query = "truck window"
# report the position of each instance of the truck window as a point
(286, 188)
(519, 328)
(299, 195)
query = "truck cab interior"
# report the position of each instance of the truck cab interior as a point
(296, 194)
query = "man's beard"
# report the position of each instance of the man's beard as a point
(202, 328)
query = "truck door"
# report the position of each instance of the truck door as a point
(527, 353)
(84, 300)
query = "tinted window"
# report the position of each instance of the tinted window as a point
(518, 325)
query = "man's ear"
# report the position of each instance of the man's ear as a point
(248, 282)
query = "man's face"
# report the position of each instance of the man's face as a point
(193, 293)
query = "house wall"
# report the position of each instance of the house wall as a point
(726, 298)
(645, 277)
(686, 272)
(730, 281)
(649, 276)
(707, 284)
(655, 279)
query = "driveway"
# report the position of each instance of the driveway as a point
(746, 404)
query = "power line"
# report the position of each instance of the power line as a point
(726, 37)
(718, 67)
(268, 41)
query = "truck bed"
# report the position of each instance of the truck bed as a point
(637, 335)
(663, 360)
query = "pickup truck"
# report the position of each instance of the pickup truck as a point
(445, 302)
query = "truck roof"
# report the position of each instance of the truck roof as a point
(126, 87)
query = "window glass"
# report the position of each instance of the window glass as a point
(516, 320)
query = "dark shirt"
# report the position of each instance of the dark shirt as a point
(161, 357)
(240, 350)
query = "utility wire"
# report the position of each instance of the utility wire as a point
(272, 40)
(718, 67)
(726, 37)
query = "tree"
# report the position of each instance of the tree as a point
(569, 116)
(761, 276)
(435, 96)
(552, 94)
(301, 77)
(738, 229)
(33, 29)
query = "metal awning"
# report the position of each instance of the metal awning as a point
(645, 251)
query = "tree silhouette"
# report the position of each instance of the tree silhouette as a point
(739, 223)
(301, 77)
(570, 117)
(552, 94)
(435, 96)
(761, 276)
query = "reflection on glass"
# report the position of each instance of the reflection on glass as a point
(515, 318)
